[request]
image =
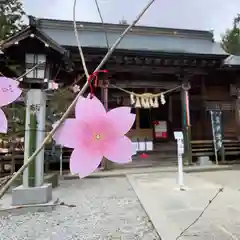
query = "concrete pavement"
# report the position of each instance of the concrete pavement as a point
(225, 178)
(171, 210)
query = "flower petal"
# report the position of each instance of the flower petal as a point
(122, 119)
(84, 161)
(119, 150)
(9, 91)
(72, 133)
(3, 122)
(87, 109)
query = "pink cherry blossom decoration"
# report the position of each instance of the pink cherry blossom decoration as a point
(94, 134)
(9, 92)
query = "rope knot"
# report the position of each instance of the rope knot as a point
(94, 76)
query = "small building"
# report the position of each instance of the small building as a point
(194, 71)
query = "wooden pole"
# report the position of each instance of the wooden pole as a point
(186, 122)
(107, 165)
(204, 134)
(237, 111)
(137, 120)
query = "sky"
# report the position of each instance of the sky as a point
(216, 15)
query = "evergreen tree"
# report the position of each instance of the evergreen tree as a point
(11, 13)
(231, 39)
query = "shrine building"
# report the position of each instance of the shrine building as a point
(198, 76)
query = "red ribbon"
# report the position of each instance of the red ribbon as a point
(91, 77)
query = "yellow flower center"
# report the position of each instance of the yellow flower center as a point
(98, 137)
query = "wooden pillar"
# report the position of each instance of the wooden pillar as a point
(137, 121)
(186, 121)
(237, 111)
(170, 117)
(107, 165)
(203, 109)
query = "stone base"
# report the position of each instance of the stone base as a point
(204, 161)
(31, 195)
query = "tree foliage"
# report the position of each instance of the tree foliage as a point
(11, 13)
(231, 39)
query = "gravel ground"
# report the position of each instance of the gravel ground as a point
(105, 209)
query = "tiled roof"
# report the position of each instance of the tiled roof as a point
(140, 38)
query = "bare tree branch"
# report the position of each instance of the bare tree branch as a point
(78, 40)
(65, 115)
(104, 28)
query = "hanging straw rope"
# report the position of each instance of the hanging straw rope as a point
(146, 100)
(145, 94)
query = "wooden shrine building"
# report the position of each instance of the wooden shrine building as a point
(201, 77)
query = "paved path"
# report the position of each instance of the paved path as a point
(106, 209)
(172, 210)
(225, 178)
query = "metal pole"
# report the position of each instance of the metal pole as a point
(180, 163)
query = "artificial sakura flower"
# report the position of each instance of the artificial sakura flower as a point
(94, 134)
(76, 88)
(9, 92)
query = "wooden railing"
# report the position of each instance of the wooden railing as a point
(206, 148)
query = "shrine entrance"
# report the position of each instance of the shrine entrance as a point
(157, 125)
(161, 124)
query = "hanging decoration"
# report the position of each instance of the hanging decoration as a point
(76, 88)
(95, 133)
(146, 100)
(9, 92)
(52, 85)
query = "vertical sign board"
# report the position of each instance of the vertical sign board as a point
(180, 150)
(160, 129)
(216, 121)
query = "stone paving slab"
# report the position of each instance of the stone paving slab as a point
(229, 178)
(171, 210)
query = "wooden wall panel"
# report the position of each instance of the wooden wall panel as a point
(216, 96)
